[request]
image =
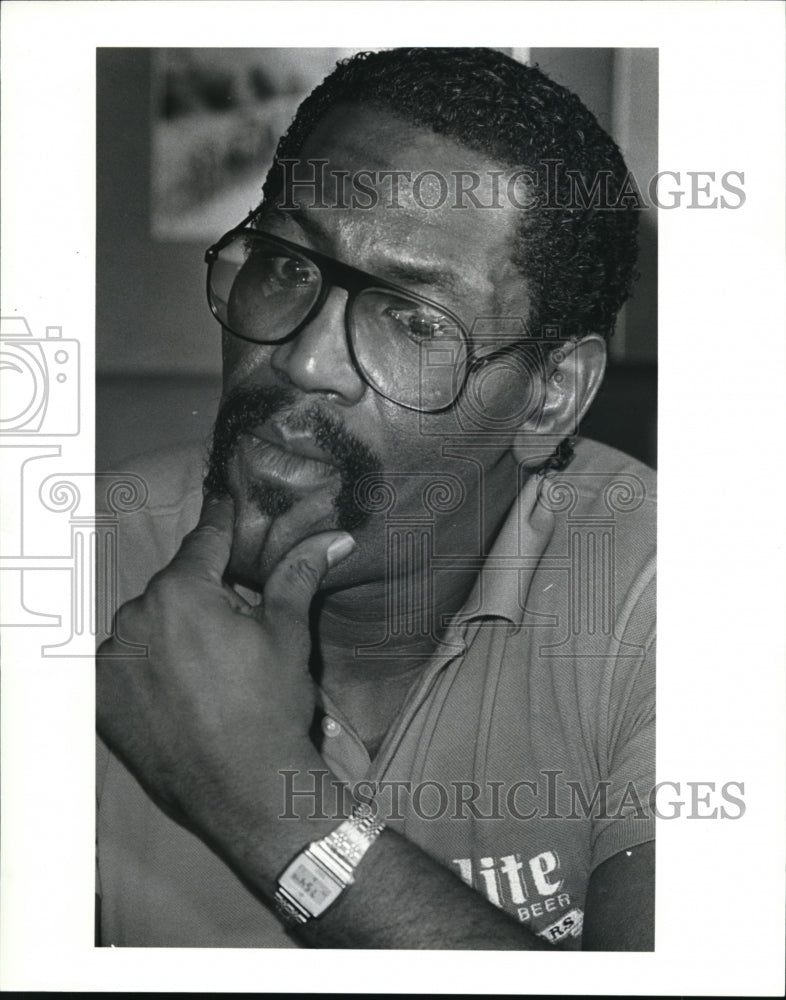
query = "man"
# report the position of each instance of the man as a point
(411, 629)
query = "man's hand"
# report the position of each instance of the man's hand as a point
(223, 699)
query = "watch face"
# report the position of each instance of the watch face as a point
(310, 886)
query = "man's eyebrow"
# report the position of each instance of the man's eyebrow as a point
(418, 274)
(407, 272)
(310, 225)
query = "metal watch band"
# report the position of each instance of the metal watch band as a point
(355, 835)
(319, 874)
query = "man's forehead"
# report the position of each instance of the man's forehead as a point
(381, 171)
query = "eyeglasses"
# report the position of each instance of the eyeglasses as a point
(409, 349)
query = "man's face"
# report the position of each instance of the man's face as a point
(299, 425)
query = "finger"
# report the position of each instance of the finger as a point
(205, 550)
(293, 583)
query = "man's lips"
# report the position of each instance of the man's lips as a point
(285, 457)
(295, 442)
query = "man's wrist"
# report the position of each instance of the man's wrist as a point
(278, 821)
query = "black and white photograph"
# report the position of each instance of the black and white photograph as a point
(413, 627)
(333, 529)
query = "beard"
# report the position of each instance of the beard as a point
(245, 409)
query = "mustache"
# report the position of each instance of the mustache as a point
(237, 414)
(247, 408)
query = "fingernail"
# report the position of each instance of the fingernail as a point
(339, 548)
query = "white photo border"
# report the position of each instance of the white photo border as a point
(720, 885)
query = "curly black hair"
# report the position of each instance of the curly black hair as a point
(579, 259)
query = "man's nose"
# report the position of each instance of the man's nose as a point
(317, 359)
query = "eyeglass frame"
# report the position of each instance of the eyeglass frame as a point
(360, 281)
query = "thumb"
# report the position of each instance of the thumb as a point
(205, 550)
(292, 584)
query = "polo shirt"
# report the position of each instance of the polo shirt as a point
(522, 758)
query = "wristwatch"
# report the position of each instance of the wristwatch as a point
(320, 873)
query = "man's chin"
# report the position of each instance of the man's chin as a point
(269, 522)
(272, 501)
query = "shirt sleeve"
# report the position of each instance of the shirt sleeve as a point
(629, 742)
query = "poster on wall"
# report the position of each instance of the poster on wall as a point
(217, 114)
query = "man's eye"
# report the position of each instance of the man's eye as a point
(290, 271)
(419, 324)
(279, 272)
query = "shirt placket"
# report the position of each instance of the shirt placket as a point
(344, 751)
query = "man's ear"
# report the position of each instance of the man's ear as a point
(573, 375)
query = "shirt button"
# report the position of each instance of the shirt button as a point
(330, 727)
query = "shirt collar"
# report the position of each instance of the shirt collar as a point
(502, 585)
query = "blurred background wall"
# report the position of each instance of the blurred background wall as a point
(183, 141)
